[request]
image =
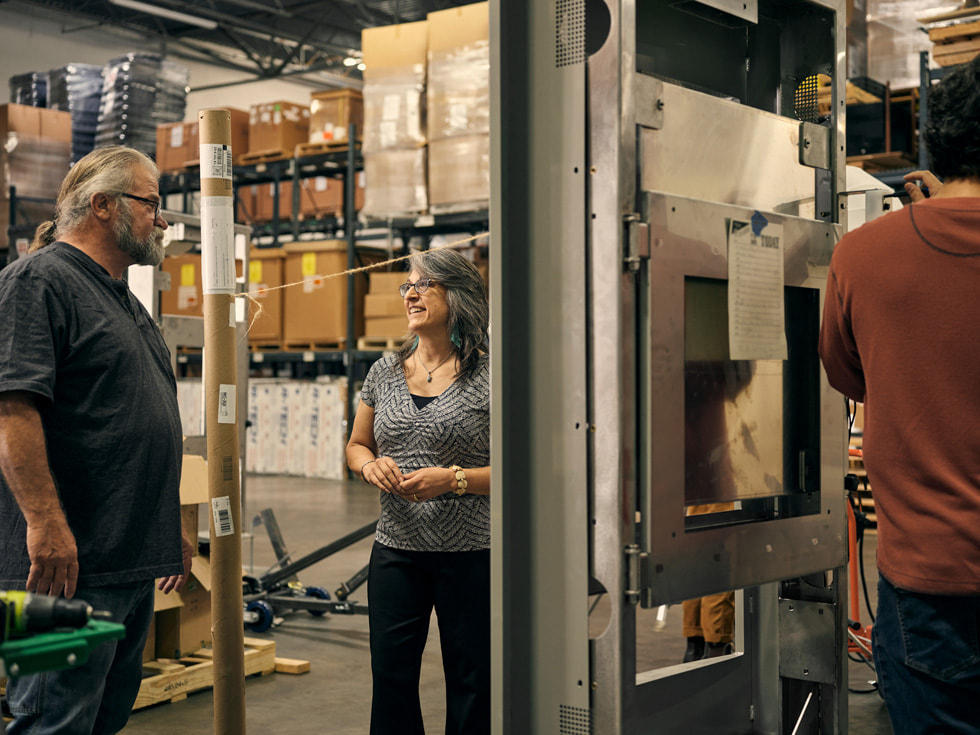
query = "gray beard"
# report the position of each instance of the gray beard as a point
(146, 251)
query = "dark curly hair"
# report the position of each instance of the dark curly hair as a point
(952, 133)
(466, 300)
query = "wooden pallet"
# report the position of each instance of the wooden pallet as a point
(379, 343)
(874, 162)
(315, 149)
(274, 154)
(171, 680)
(955, 44)
(317, 346)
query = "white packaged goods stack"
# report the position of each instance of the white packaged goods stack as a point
(297, 427)
(458, 109)
(190, 401)
(394, 127)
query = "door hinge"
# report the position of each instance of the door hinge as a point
(637, 242)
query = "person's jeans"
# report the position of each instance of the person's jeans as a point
(927, 654)
(403, 589)
(97, 697)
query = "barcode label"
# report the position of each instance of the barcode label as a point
(224, 525)
(215, 161)
(227, 396)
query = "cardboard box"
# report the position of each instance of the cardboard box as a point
(277, 126)
(182, 620)
(265, 269)
(333, 112)
(35, 154)
(459, 173)
(185, 297)
(172, 146)
(400, 46)
(245, 204)
(326, 439)
(394, 85)
(396, 183)
(193, 492)
(179, 143)
(458, 82)
(383, 304)
(386, 326)
(387, 282)
(316, 312)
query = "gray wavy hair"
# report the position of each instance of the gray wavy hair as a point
(107, 170)
(466, 301)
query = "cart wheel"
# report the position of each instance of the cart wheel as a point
(263, 613)
(320, 594)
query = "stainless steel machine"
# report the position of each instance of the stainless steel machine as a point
(668, 180)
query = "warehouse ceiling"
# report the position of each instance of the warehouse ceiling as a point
(264, 39)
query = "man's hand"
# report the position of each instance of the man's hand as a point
(54, 557)
(928, 178)
(177, 581)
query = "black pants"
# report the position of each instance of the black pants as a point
(403, 588)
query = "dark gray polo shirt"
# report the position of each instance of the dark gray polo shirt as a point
(82, 343)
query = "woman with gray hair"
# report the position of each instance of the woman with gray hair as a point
(422, 437)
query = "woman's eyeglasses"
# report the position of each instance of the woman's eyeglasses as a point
(420, 286)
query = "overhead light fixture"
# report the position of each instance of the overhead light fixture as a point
(191, 20)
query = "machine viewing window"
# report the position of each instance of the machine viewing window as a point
(751, 449)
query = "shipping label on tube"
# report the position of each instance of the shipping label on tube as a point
(224, 523)
(217, 245)
(215, 161)
(226, 403)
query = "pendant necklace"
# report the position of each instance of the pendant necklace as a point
(429, 372)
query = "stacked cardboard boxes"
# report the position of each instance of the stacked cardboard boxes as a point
(315, 313)
(182, 620)
(394, 127)
(35, 152)
(384, 308)
(458, 109)
(185, 296)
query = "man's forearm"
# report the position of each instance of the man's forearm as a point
(23, 459)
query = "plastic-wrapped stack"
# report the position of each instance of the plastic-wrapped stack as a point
(140, 92)
(29, 89)
(394, 126)
(77, 88)
(458, 94)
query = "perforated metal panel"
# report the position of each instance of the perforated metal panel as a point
(806, 106)
(569, 32)
(574, 721)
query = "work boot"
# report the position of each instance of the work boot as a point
(714, 650)
(695, 649)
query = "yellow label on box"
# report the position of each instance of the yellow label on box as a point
(255, 271)
(187, 274)
(308, 265)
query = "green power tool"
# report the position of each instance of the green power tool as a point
(42, 633)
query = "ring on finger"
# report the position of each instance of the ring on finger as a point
(416, 496)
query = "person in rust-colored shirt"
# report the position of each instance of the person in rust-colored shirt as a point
(901, 334)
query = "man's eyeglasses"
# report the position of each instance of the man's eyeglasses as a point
(420, 286)
(157, 204)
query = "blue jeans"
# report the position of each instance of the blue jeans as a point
(927, 654)
(97, 697)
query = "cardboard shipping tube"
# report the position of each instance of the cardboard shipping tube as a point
(218, 266)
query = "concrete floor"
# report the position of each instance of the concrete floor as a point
(335, 697)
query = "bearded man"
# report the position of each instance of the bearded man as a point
(90, 437)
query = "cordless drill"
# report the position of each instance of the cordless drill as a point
(24, 613)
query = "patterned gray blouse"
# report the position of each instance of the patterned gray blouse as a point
(452, 429)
